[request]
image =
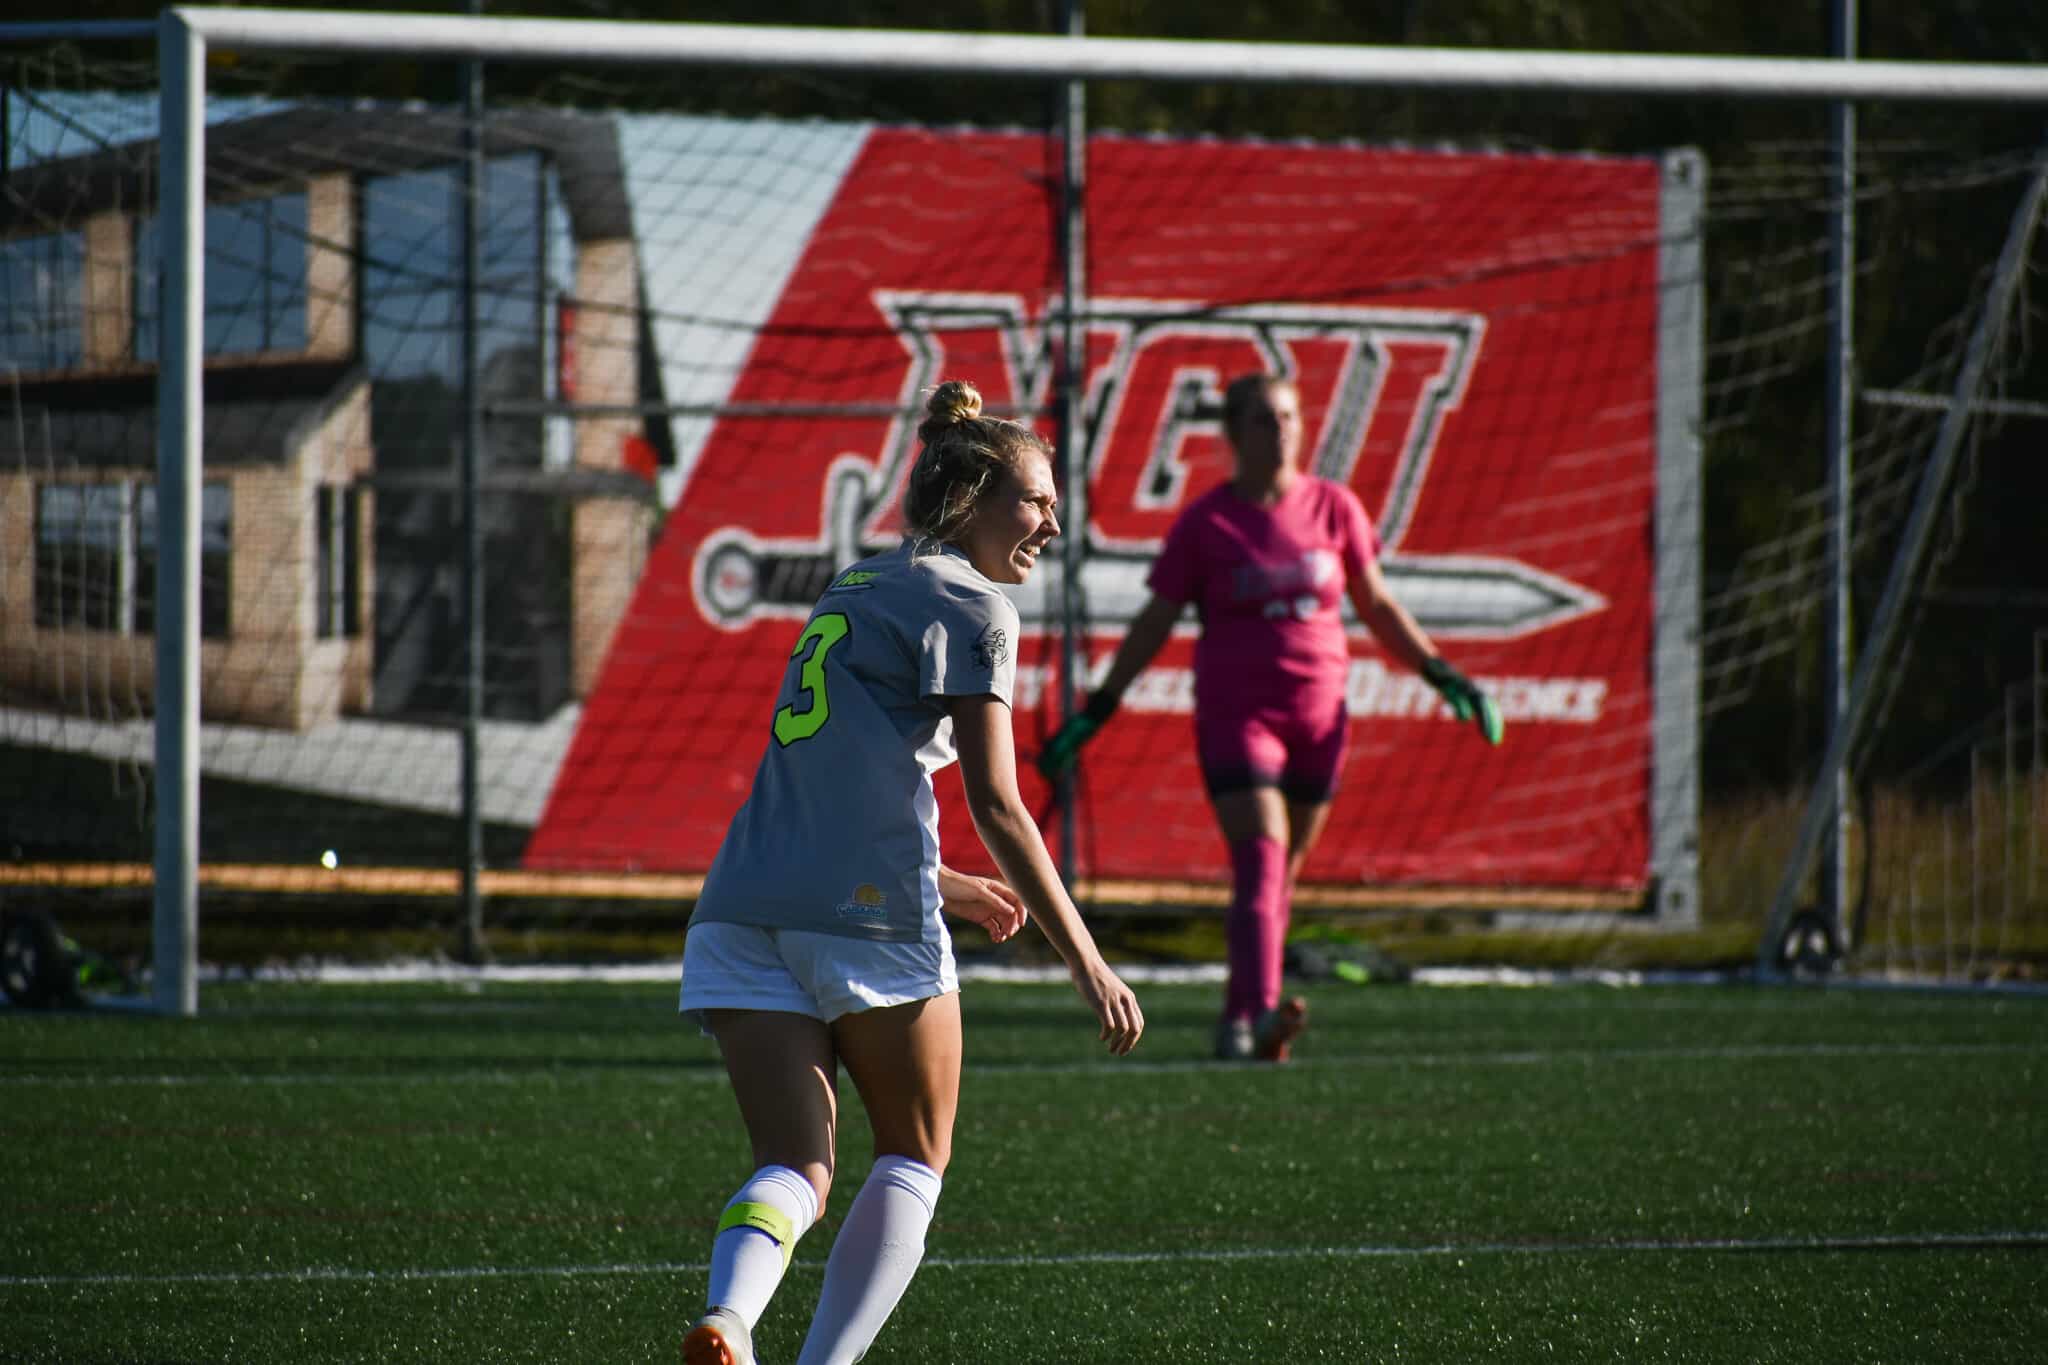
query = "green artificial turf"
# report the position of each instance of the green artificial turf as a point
(532, 1173)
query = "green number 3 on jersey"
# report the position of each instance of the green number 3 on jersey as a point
(791, 724)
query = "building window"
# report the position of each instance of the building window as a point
(96, 557)
(338, 520)
(255, 278)
(42, 317)
(84, 573)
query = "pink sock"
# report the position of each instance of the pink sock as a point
(1256, 929)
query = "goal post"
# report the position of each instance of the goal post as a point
(181, 55)
(1561, 347)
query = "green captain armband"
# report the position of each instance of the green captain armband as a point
(765, 1218)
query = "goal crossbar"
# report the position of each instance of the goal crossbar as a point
(1093, 58)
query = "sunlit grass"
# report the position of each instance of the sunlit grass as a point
(497, 1172)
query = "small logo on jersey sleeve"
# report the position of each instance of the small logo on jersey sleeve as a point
(992, 650)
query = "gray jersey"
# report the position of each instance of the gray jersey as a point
(841, 831)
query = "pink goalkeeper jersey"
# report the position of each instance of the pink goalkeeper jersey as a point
(1268, 582)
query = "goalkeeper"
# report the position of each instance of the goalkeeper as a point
(1265, 557)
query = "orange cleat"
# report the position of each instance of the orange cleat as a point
(1273, 1037)
(718, 1338)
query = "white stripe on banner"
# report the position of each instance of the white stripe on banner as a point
(718, 243)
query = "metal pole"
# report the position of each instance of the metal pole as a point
(181, 152)
(1073, 379)
(471, 611)
(1834, 868)
(2037, 784)
(1681, 347)
(82, 30)
(2008, 816)
(1913, 547)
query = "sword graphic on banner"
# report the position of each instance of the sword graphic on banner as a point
(740, 578)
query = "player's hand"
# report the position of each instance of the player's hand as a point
(982, 900)
(1116, 1008)
(1466, 701)
(1057, 758)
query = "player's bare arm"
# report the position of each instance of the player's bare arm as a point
(982, 900)
(1147, 635)
(1393, 627)
(1387, 619)
(988, 769)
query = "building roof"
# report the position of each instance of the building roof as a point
(255, 415)
(249, 156)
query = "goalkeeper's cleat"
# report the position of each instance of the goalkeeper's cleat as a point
(1466, 701)
(718, 1338)
(1234, 1041)
(1273, 1037)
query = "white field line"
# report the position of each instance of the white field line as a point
(1202, 973)
(625, 973)
(419, 972)
(685, 1073)
(1933, 1241)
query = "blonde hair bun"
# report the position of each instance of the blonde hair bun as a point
(951, 403)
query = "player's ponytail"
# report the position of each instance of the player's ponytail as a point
(951, 403)
(963, 454)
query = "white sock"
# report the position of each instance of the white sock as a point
(753, 1245)
(877, 1251)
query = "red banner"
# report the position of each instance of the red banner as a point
(1475, 342)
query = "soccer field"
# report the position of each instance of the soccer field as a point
(532, 1173)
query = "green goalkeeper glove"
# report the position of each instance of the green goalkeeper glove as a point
(1467, 702)
(1057, 758)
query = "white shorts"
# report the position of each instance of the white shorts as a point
(795, 971)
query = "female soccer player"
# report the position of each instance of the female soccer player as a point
(817, 940)
(1264, 557)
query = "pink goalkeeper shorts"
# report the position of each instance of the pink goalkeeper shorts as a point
(1302, 755)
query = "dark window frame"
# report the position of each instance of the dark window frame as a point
(337, 557)
(279, 269)
(53, 335)
(111, 588)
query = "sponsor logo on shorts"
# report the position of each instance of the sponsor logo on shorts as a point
(868, 905)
